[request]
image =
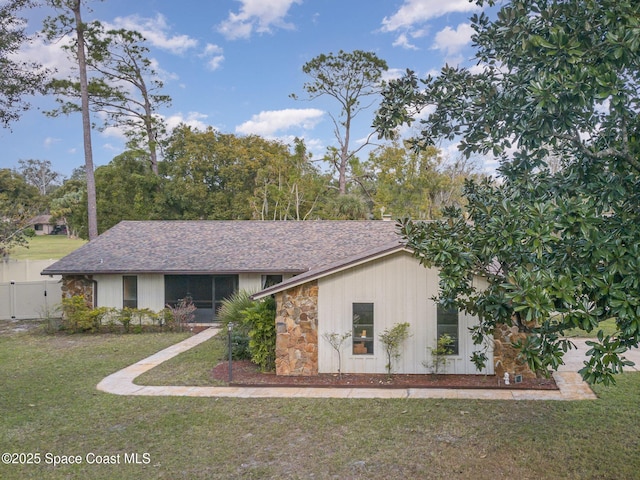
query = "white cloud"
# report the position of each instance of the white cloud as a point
(50, 141)
(114, 131)
(269, 122)
(192, 119)
(403, 41)
(50, 55)
(112, 148)
(212, 49)
(477, 68)
(214, 55)
(157, 32)
(258, 15)
(414, 12)
(409, 20)
(451, 41)
(393, 74)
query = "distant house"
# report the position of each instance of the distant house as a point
(42, 224)
(326, 276)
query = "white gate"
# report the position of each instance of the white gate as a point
(29, 300)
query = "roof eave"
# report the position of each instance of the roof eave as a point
(290, 271)
(329, 270)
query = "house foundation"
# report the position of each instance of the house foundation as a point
(505, 356)
(297, 330)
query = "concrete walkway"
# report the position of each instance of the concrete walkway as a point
(570, 384)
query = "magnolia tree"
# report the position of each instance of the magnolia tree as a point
(556, 82)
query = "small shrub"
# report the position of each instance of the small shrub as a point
(182, 313)
(260, 321)
(392, 340)
(133, 319)
(336, 341)
(239, 346)
(125, 318)
(232, 311)
(77, 316)
(439, 355)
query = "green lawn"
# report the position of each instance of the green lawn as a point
(50, 406)
(608, 327)
(44, 247)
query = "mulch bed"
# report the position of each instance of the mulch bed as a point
(246, 374)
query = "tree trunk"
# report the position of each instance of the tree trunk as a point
(344, 156)
(86, 124)
(148, 124)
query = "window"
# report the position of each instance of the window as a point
(448, 325)
(362, 328)
(205, 291)
(130, 291)
(271, 280)
(223, 287)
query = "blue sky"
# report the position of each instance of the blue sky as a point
(231, 64)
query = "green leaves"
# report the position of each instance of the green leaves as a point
(347, 78)
(392, 339)
(605, 360)
(19, 79)
(558, 248)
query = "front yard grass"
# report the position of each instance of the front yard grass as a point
(192, 367)
(49, 404)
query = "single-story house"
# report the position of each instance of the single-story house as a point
(44, 225)
(327, 277)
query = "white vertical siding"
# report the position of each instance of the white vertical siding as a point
(150, 291)
(109, 290)
(401, 291)
(250, 282)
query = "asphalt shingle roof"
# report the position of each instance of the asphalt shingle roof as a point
(224, 246)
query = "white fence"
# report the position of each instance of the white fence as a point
(27, 300)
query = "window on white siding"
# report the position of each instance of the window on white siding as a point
(448, 325)
(362, 328)
(271, 280)
(130, 291)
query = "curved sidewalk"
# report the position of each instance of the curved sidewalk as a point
(570, 384)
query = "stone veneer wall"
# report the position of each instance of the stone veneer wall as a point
(297, 330)
(73, 285)
(505, 355)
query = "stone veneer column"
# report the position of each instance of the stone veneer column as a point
(505, 356)
(73, 285)
(297, 330)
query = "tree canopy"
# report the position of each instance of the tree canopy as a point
(19, 79)
(352, 79)
(560, 248)
(19, 203)
(123, 87)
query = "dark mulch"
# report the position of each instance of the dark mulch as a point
(246, 373)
